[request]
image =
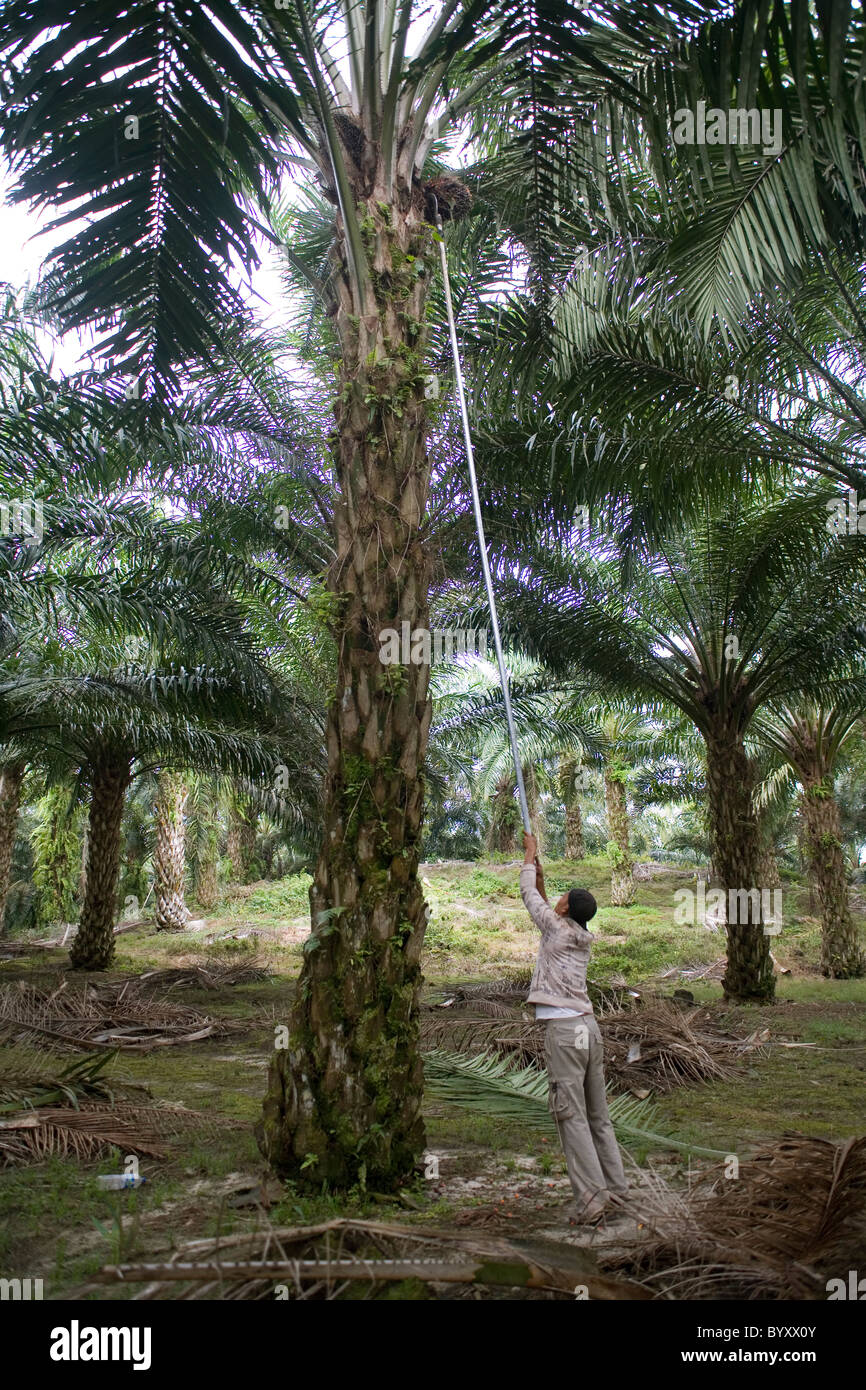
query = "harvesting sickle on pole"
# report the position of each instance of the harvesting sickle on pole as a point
(479, 527)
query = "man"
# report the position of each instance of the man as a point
(572, 1042)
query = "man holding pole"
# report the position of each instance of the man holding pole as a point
(572, 1042)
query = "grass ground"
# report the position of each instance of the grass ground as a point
(56, 1223)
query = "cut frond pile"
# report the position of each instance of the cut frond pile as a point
(197, 974)
(86, 1132)
(510, 994)
(791, 1220)
(653, 1046)
(100, 1016)
(659, 1046)
(467, 1032)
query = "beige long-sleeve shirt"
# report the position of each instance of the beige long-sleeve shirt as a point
(563, 955)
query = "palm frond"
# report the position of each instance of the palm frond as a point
(498, 1087)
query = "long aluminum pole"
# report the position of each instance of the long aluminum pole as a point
(479, 527)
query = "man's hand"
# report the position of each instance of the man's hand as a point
(530, 849)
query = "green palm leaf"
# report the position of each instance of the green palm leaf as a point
(495, 1086)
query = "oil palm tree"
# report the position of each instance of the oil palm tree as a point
(91, 679)
(241, 849)
(811, 736)
(204, 840)
(620, 728)
(755, 604)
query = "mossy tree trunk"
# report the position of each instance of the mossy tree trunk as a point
(841, 956)
(344, 1097)
(768, 873)
(206, 866)
(206, 885)
(575, 847)
(768, 869)
(735, 836)
(11, 783)
(241, 838)
(56, 857)
(804, 856)
(169, 857)
(616, 804)
(110, 775)
(504, 817)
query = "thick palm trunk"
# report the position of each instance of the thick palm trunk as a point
(206, 865)
(241, 839)
(841, 957)
(82, 870)
(504, 819)
(575, 845)
(575, 848)
(56, 858)
(93, 947)
(736, 845)
(11, 783)
(622, 873)
(206, 886)
(804, 856)
(169, 861)
(768, 873)
(344, 1099)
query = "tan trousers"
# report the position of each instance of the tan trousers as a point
(575, 1068)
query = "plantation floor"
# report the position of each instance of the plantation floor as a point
(56, 1223)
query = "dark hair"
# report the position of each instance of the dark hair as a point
(582, 906)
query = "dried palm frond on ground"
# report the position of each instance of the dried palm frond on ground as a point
(659, 1046)
(101, 1016)
(650, 1047)
(511, 992)
(320, 1262)
(466, 1031)
(86, 1132)
(794, 1218)
(714, 971)
(10, 949)
(197, 974)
